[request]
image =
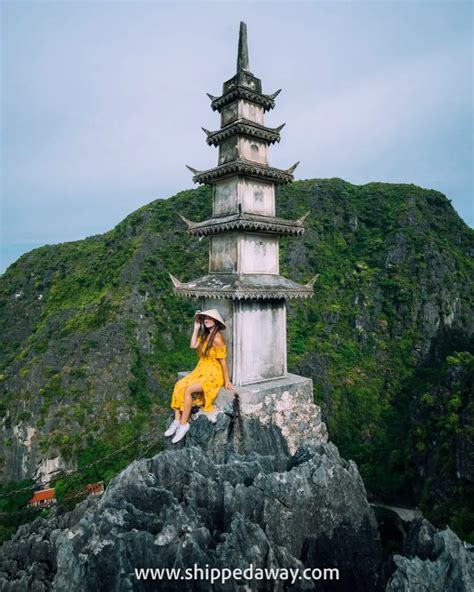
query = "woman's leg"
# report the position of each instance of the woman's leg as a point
(177, 399)
(188, 400)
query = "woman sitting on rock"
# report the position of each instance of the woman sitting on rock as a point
(210, 374)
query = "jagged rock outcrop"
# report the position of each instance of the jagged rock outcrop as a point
(207, 503)
(436, 560)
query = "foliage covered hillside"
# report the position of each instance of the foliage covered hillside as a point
(93, 336)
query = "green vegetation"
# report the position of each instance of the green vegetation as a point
(13, 507)
(440, 438)
(95, 335)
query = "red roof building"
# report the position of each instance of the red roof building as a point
(43, 498)
(95, 488)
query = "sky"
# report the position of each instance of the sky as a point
(102, 101)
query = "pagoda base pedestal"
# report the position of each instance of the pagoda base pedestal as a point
(287, 403)
(299, 387)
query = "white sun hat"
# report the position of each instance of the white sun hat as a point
(213, 313)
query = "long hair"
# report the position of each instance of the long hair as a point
(205, 346)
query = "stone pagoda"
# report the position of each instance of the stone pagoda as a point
(243, 281)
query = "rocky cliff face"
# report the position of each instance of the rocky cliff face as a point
(75, 367)
(204, 501)
(432, 560)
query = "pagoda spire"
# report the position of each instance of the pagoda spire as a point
(243, 54)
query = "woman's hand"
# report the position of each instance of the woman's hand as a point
(194, 337)
(229, 386)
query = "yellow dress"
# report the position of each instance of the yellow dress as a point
(208, 373)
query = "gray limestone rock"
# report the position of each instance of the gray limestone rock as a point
(437, 561)
(231, 494)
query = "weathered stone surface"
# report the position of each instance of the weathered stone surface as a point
(239, 287)
(437, 561)
(234, 492)
(230, 494)
(275, 417)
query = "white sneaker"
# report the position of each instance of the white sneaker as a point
(180, 432)
(173, 427)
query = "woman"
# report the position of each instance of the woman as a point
(210, 374)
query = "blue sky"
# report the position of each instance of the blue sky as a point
(102, 102)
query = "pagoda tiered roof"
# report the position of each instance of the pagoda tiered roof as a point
(243, 92)
(244, 167)
(246, 221)
(244, 127)
(243, 286)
